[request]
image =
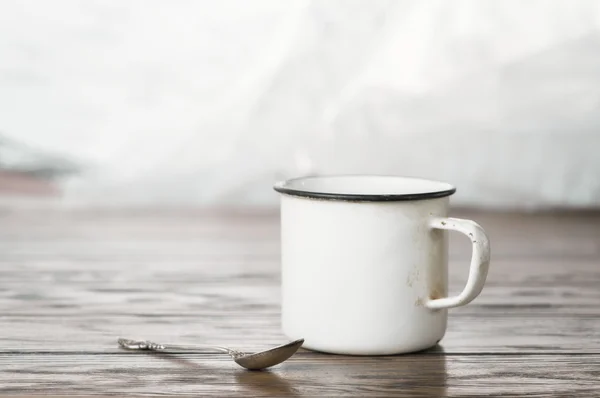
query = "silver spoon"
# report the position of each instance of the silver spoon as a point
(256, 361)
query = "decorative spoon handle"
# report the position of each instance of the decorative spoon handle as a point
(145, 345)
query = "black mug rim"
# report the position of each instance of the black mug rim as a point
(287, 187)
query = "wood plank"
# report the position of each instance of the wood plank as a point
(307, 374)
(226, 282)
(512, 235)
(252, 331)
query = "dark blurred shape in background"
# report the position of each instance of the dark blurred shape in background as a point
(30, 172)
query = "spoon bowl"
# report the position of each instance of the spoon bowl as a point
(267, 358)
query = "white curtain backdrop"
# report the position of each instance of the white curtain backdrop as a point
(210, 102)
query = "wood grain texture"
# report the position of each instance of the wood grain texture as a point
(309, 374)
(71, 282)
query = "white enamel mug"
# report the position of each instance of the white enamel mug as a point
(365, 262)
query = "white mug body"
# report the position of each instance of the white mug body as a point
(360, 269)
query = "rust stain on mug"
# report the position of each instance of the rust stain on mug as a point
(412, 277)
(437, 292)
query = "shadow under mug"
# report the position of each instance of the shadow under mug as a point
(365, 262)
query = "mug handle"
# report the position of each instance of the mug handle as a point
(480, 261)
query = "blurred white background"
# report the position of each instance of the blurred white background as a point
(210, 102)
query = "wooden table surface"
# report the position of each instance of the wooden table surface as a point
(72, 282)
